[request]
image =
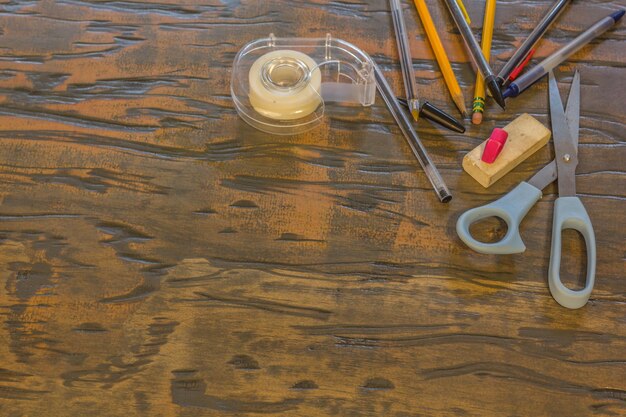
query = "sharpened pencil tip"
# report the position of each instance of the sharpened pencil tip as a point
(460, 104)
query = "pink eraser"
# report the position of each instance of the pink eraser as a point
(494, 145)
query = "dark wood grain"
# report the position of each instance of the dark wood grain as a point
(159, 257)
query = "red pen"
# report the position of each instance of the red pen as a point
(517, 71)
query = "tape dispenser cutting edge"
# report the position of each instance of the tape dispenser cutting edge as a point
(280, 85)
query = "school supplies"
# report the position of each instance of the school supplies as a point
(406, 62)
(526, 135)
(478, 106)
(441, 56)
(475, 52)
(417, 109)
(281, 85)
(430, 112)
(524, 49)
(545, 66)
(404, 123)
(569, 212)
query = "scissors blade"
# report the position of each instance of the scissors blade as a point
(548, 173)
(572, 111)
(564, 146)
(544, 176)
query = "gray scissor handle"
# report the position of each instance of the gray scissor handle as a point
(569, 213)
(511, 208)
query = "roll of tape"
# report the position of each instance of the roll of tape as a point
(285, 85)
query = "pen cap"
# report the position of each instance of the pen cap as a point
(280, 85)
(439, 116)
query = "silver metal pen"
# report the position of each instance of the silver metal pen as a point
(404, 123)
(475, 52)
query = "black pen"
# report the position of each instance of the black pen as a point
(475, 52)
(524, 49)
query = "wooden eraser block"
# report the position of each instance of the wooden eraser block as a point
(526, 136)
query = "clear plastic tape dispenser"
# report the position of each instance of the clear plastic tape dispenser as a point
(280, 85)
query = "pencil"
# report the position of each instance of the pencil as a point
(478, 106)
(440, 55)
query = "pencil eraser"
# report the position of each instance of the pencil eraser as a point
(494, 145)
(526, 135)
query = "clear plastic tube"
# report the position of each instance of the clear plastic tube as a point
(406, 62)
(404, 123)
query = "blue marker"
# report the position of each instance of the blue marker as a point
(545, 66)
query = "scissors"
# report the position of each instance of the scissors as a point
(569, 212)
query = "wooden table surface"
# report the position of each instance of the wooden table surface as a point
(160, 257)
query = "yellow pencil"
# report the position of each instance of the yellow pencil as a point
(440, 54)
(478, 105)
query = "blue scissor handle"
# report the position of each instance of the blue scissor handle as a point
(569, 213)
(511, 208)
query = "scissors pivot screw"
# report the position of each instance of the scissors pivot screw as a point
(567, 157)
